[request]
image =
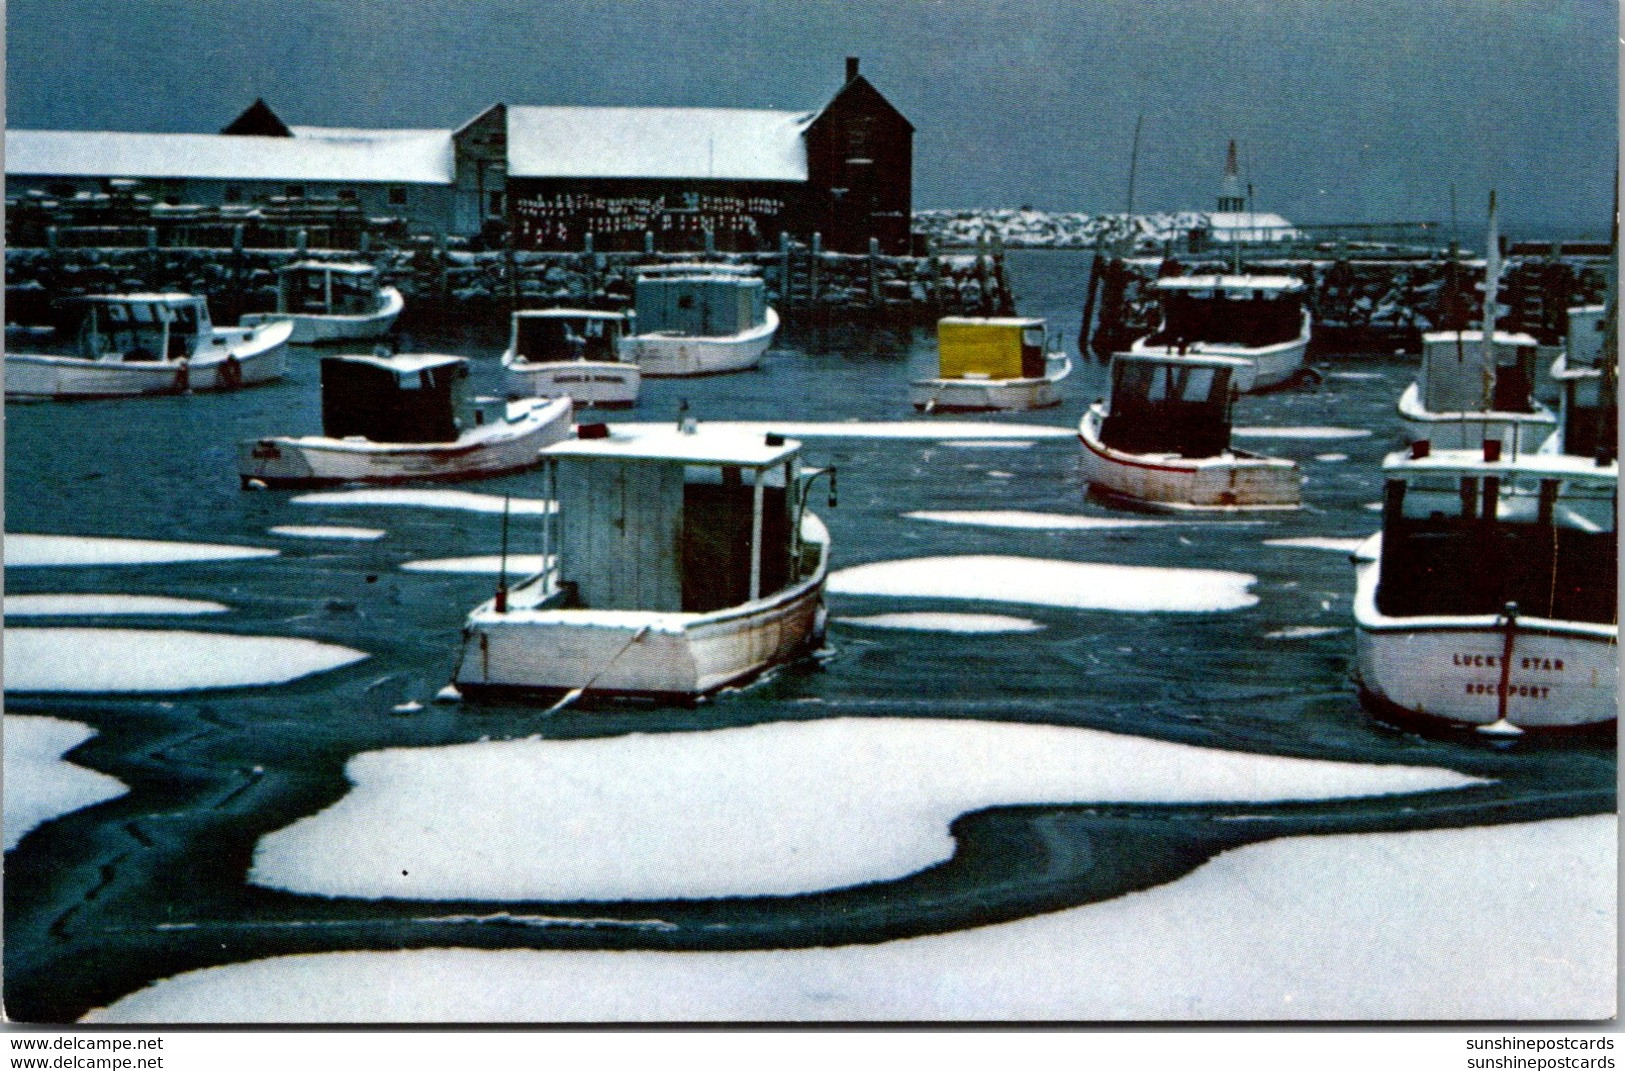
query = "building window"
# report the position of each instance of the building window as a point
(346, 195)
(397, 195)
(234, 195)
(496, 200)
(293, 191)
(68, 189)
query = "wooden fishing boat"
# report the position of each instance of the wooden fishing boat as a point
(699, 319)
(574, 352)
(1259, 319)
(400, 418)
(984, 364)
(679, 561)
(332, 302)
(1161, 440)
(1490, 597)
(133, 344)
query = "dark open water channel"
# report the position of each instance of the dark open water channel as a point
(109, 898)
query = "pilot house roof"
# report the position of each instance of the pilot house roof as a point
(657, 143)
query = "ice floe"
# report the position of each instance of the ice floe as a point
(1028, 519)
(944, 430)
(428, 498)
(988, 444)
(517, 564)
(326, 531)
(1301, 632)
(1303, 433)
(969, 624)
(39, 786)
(24, 550)
(1331, 457)
(779, 808)
(1356, 375)
(1336, 544)
(1044, 582)
(155, 660)
(97, 605)
(1499, 922)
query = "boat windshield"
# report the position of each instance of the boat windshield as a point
(1250, 318)
(134, 331)
(1460, 543)
(1168, 408)
(540, 339)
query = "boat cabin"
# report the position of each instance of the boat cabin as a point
(543, 336)
(1238, 310)
(984, 348)
(674, 520)
(1457, 378)
(407, 398)
(313, 287)
(1587, 338)
(1170, 405)
(1462, 536)
(701, 300)
(143, 327)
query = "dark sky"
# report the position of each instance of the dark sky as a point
(1346, 110)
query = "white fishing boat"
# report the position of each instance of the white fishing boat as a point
(574, 352)
(132, 344)
(983, 364)
(698, 319)
(406, 417)
(1489, 598)
(1259, 319)
(1476, 386)
(1161, 440)
(679, 561)
(332, 302)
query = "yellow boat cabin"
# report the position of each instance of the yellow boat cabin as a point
(1007, 347)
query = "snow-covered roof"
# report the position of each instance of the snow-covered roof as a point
(704, 446)
(657, 143)
(1181, 360)
(1538, 464)
(1502, 338)
(994, 321)
(401, 363)
(337, 267)
(1230, 282)
(1259, 226)
(348, 156)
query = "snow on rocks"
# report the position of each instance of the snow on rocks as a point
(966, 624)
(154, 660)
(426, 498)
(1335, 544)
(959, 432)
(38, 785)
(1438, 924)
(1302, 433)
(779, 808)
(23, 550)
(517, 564)
(326, 531)
(97, 605)
(1044, 582)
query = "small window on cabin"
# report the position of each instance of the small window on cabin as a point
(293, 191)
(686, 301)
(397, 195)
(1198, 385)
(234, 194)
(346, 195)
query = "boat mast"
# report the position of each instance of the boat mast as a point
(1133, 167)
(1492, 286)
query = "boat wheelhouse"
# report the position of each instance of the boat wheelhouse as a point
(697, 319)
(679, 561)
(574, 352)
(983, 364)
(1467, 392)
(1161, 439)
(1587, 377)
(406, 417)
(1260, 319)
(332, 302)
(1490, 597)
(131, 344)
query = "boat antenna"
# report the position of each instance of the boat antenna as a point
(502, 567)
(1133, 168)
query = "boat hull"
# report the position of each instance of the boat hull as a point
(311, 329)
(1563, 675)
(628, 653)
(1269, 366)
(488, 450)
(988, 395)
(1518, 433)
(1230, 482)
(691, 355)
(587, 383)
(240, 358)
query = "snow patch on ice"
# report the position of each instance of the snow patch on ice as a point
(23, 550)
(427, 498)
(779, 808)
(1356, 375)
(38, 786)
(989, 444)
(877, 429)
(153, 660)
(1028, 519)
(1438, 924)
(326, 531)
(1336, 544)
(1331, 457)
(968, 624)
(88, 605)
(1303, 433)
(1044, 582)
(518, 564)
(1301, 632)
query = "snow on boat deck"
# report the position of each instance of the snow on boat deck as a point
(967, 624)
(1044, 582)
(23, 550)
(84, 660)
(326, 531)
(517, 564)
(97, 605)
(426, 498)
(773, 809)
(39, 786)
(1441, 924)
